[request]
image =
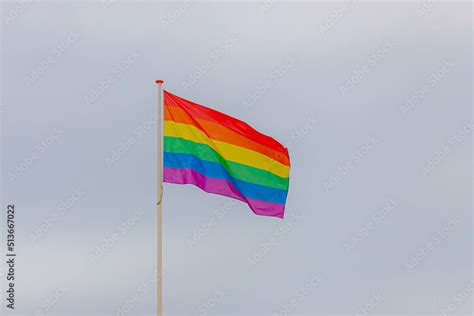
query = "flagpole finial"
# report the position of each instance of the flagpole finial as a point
(159, 81)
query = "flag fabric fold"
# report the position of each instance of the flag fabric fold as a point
(223, 155)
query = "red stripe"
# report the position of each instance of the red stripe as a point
(231, 123)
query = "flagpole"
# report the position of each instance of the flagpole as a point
(159, 250)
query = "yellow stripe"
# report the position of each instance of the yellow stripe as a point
(227, 151)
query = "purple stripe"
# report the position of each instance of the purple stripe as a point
(221, 187)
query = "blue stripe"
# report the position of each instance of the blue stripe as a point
(215, 170)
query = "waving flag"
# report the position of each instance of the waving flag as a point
(223, 155)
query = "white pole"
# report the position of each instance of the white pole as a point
(159, 250)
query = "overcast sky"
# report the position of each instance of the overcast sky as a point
(373, 101)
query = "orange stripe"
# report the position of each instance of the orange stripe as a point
(221, 133)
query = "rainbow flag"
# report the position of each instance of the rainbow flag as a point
(223, 155)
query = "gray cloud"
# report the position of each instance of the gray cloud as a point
(271, 65)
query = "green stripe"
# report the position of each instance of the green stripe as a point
(236, 170)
